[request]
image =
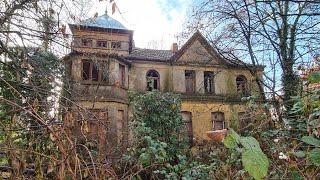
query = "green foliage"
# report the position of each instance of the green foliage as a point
(314, 77)
(311, 140)
(255, 162)
(315, 156)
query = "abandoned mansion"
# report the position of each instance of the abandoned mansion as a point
(104, 66)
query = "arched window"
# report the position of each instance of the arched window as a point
(153, 80)
(242, 85)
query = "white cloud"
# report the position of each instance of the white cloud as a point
(152, 20)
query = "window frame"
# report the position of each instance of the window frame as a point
(188, 124)
(152, 78)
(117, 45)
(102, 41)
(223, 120)
(84, 41)
(101, 67)
(208, 77)
(192, 79)
(242, 85)
(122, 75)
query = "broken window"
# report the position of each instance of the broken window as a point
(153, 80)
(208, 82)
(218, 120)
(86, 42)
(122, 77)
(102, 43)
(116, 45)
(187, 125)
(94, 71)
(190, 81)
(244, 120)
(242, 85)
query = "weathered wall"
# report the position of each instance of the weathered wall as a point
(95, 35)
(201, 115)
(138, 71)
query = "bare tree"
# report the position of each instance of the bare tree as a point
(278, 34)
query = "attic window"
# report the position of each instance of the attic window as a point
(86, 42)
(116, 45)
(102, 44)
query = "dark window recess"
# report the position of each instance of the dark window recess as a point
(93, 71)
(86, 66)
(122, 77)
(244, 120)
(105, 73)
(208, 82)
(153, 80)
(190, 81)
(218, 120)
(116, 45)
(187, 126)
(242, 85)
(86, 42)
(102, 44)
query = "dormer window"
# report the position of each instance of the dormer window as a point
(103, 44)
(116, 45)
(86, 42)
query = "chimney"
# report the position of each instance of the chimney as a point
(174, 47)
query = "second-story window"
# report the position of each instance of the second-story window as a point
(153, 80)
(86, 42)
(122, 76)
(94, 71)
(208, 82)
(190, 81)
(116, 45)
(242, 85)
(103, 44)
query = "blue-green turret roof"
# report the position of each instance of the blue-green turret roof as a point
(103, 21)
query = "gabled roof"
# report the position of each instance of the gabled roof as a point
(150, 54)
(197, 36)
(103, 21)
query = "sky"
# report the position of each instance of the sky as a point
(155, 22)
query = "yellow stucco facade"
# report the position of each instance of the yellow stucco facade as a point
(104, 66)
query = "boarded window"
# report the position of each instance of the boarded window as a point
(244, 120)
(153, 80)
(218, 120)
(242, 85)
(86, 42)
(187, 125)
(120, 121)
(190, 81)
(116, 45)
(102, 43)
(209, 82)
(122, 76)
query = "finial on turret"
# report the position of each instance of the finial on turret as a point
(106, 11)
